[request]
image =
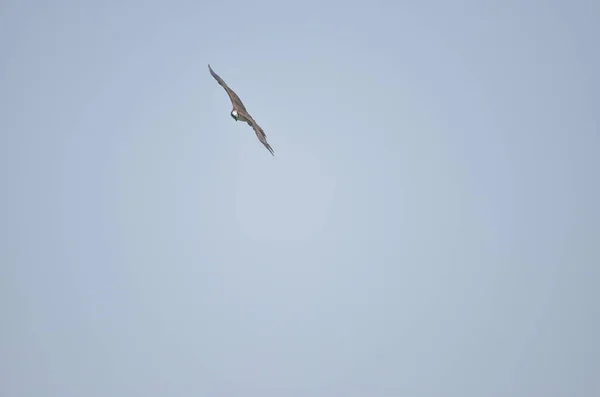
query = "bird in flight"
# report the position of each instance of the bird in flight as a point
(239, 112)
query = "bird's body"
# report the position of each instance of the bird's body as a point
(238, 117)
(239, 112)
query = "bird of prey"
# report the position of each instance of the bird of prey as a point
(239, 112)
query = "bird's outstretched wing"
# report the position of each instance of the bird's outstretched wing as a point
(260, 134)
(235, 100)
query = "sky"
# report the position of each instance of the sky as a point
(429, 225)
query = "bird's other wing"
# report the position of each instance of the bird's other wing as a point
(260, 134)
(235, 100)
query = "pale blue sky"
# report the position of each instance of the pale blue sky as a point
(428, 225)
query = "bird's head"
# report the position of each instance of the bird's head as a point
(234, 114)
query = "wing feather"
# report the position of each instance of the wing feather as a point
(235, 99)
(260, 134)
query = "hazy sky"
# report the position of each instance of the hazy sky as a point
(429, 225)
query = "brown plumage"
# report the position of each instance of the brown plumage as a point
(239, 112)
